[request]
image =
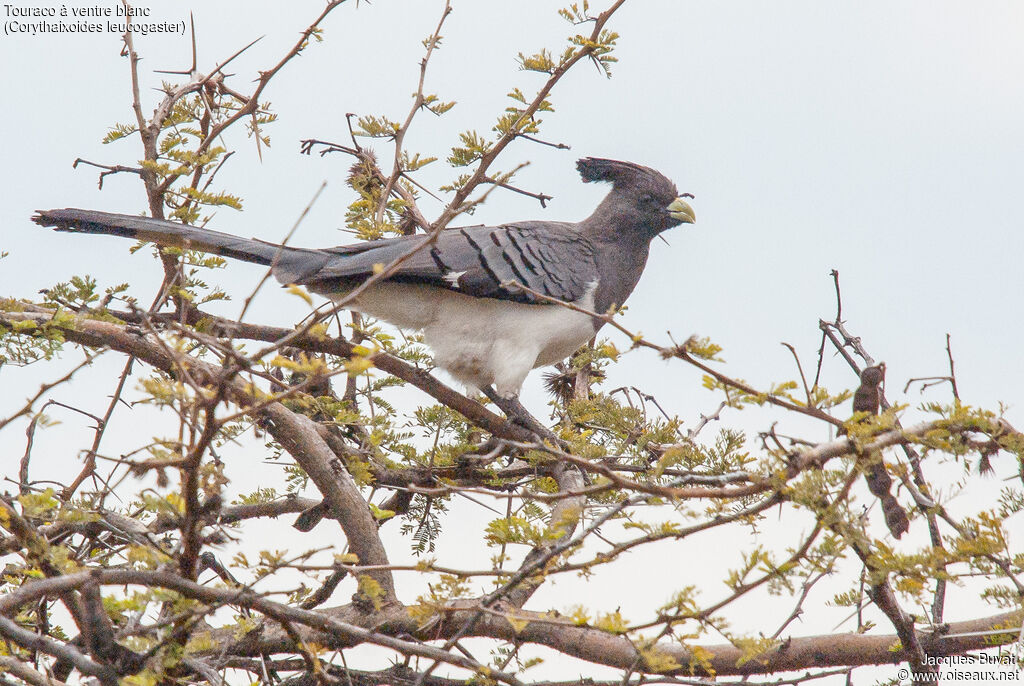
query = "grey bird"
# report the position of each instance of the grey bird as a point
(466, 291)
(868, 398)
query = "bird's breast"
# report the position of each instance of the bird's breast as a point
(482, 341)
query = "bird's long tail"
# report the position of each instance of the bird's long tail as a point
(290, 264)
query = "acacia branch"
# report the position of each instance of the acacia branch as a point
(416, 376)
(44, 644)
(27, 674)
(854, 342)
(455, 207)
(369, 161)
(101, 426)
(681, 352)
(108, 169)
(43, 390)
(133, 530)
(95, 333)
(296, 433)
(565, 516)
(420, 378)
(328, 627)
(341, 633)
(250, 103)
(419, 100)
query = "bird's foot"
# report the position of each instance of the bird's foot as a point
(519, 415)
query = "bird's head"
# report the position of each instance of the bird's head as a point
(640, 197)
(872, 376)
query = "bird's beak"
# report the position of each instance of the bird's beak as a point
(680, 210)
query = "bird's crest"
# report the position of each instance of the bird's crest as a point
(618, 173)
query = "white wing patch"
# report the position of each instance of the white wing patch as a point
(453, 278)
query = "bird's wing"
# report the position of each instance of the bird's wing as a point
(483, 261)
(551, 258)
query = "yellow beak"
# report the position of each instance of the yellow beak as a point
(681, 210)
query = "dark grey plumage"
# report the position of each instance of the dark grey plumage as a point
(868, 398)
(547, 257)
(443, 288)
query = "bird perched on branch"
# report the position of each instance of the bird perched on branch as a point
(483, 296)
(868, 398)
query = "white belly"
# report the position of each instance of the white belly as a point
(482, 341)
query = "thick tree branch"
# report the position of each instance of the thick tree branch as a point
(63, 651)
(296, 433)
(329, 627)
(420, 378)
(26, 673)
(340, 633)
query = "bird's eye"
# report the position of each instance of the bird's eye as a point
(646, 199)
